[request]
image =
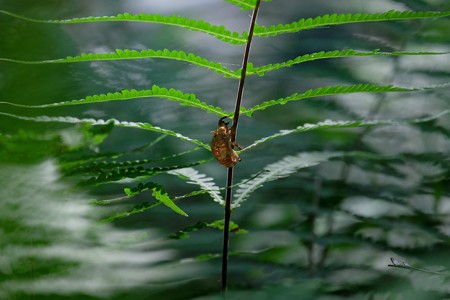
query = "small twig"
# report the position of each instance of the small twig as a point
(227, 217)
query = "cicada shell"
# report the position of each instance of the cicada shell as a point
(222, 147)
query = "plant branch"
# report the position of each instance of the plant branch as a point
(240, 91)
(229, 190)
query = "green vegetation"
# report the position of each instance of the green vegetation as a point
(342, 191)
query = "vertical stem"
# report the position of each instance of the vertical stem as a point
(227, 217)
(240, 91)
(226, 230)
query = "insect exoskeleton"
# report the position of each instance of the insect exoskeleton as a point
(222, 147)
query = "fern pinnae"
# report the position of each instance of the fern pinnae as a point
(341, 19)
(120, 174)
(280, 169)
(327, 91)
(80, 167)
(328, 124)
(219, 32)
(185, 99)
(192, 176)
(138, 125)
(328, 55)
(127, 54)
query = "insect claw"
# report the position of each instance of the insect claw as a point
(222, 121)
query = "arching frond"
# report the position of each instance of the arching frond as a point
(327, 55)
(155, 92)
(219, 32)
(280, 169)
(139, 125)
(327, 91)
(86, 166)
(133, 172)
(328, 124)
(192, 176)
(158, 192)
(341, 19)
(124, 54)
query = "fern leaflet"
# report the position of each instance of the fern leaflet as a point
(328, 124)
(206, 183)
(123, 54)
(155, 92)
(327, 91)
(139, 125)
(327, 55)
(340, 19)
(280, 169)
(219, 32)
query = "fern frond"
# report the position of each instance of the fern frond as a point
(135, 210)
(327, 91)
(161, 195)
(123, 54)
(184, 233)
(171, 94)
(328, 124)
(219, 32)
(341, 19)
(158, 192)
(139, 125)
(326, 55)
(134, 172)
(84, 166)
(280, 169)
(192, 176)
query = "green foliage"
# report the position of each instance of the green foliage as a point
(219, 32)
(156, 92)
(340, 19)
(140, 125)
(280, 169)
(327, 91)
(356, 182)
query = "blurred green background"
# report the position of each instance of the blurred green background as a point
(327, 232)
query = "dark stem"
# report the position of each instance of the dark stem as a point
(226, 230)
(240, 91)
(229, 190)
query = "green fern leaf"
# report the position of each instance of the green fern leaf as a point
(192, 176)
(326, 55)
(340, 19)
(135, 210)
(343, 124)
(156, 92)
(184, 233)
(122, 54)
(219, 32)
(139, 125)
(280, 169)
(161, 195)
(158, 192)
(134, 172)
(89, 166)
(327, 91)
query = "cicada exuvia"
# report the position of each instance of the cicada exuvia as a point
(222, 145)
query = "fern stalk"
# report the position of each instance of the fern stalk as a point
(229, 190)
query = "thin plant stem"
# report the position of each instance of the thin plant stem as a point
(229, 189)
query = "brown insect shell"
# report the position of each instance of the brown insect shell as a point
(222, 146)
